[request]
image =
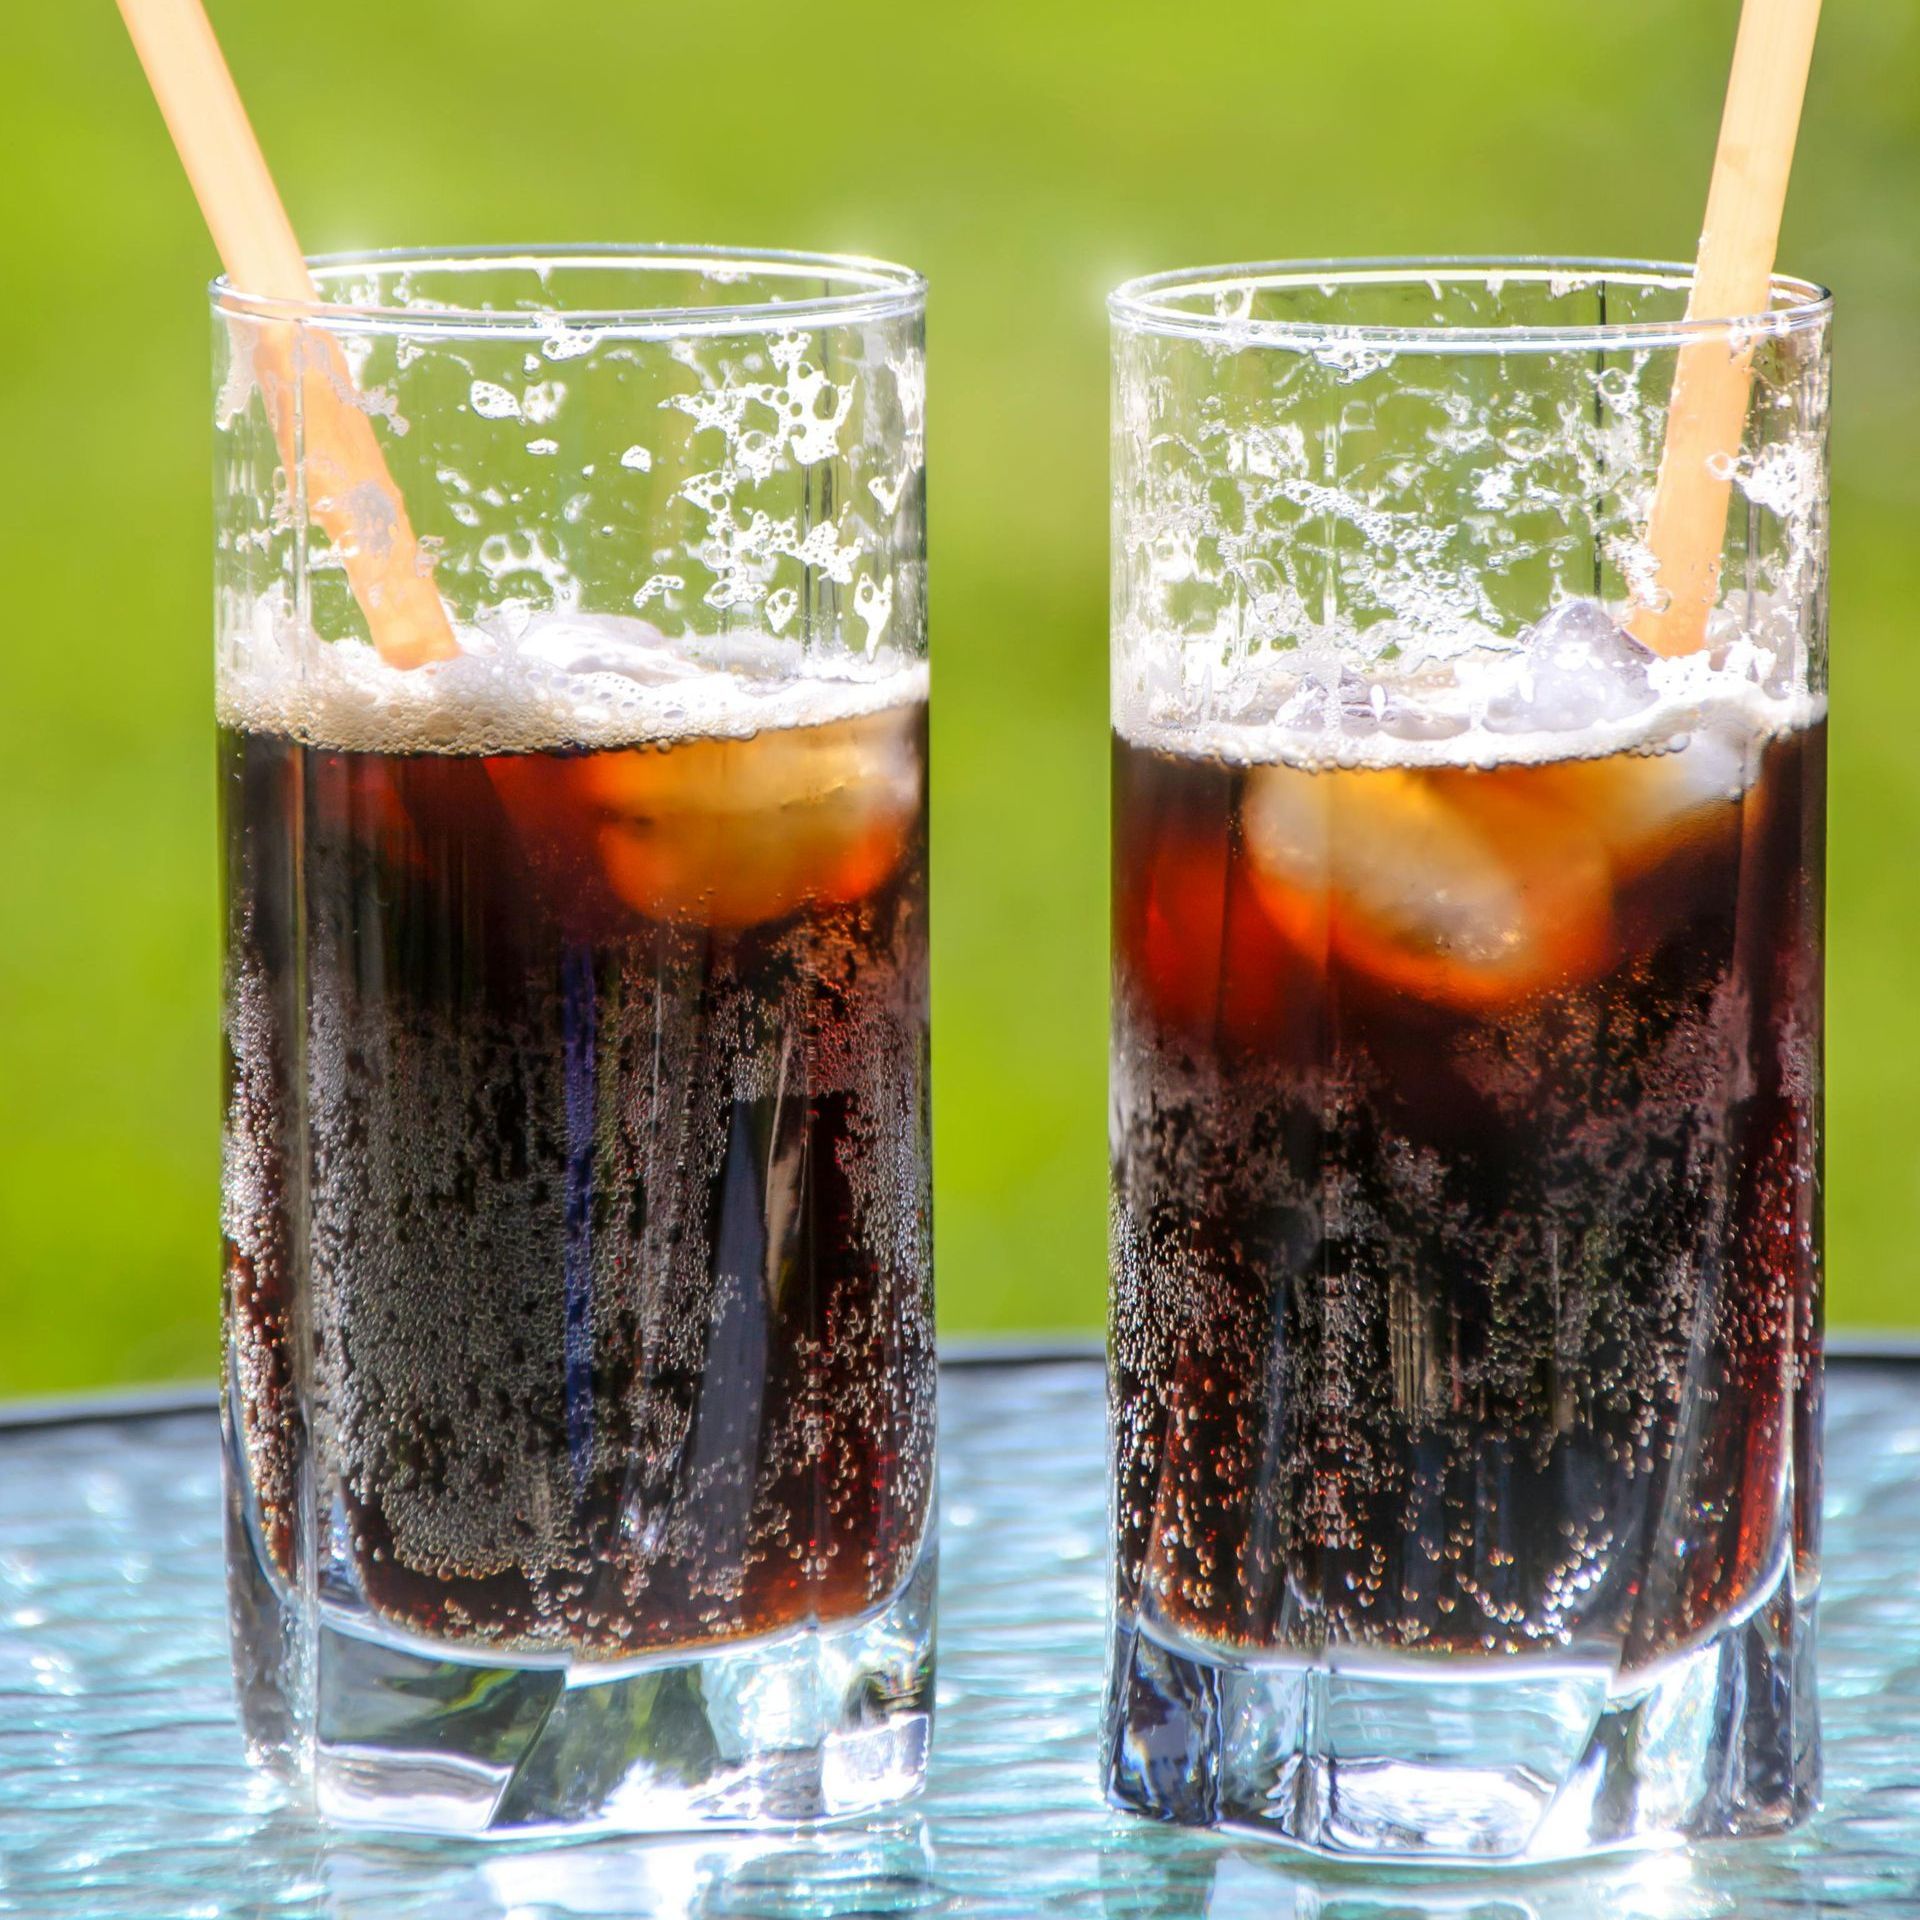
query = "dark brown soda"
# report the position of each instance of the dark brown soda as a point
(1467, 1287)
(577, 1194)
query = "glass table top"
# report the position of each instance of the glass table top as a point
(123, 1791)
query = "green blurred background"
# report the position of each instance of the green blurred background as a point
(1026, 156)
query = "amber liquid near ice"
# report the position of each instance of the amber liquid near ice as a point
(1466, 1201)
(578, 1260)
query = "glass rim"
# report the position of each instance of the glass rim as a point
(1145, 304)
(873, 290)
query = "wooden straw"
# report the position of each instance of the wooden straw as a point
(1733, 279)
(304, 377)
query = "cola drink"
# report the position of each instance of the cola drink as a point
(577, 1213)
(1465, 1113)
(1466, 1182)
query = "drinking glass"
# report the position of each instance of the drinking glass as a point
(579, 1371)
(1466, 1065)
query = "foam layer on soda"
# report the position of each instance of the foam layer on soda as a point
(532, 683)
(1576, 686)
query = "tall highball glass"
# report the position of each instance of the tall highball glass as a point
(1466, 1072)
(578, 1304)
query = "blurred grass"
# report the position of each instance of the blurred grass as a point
(1025, 157)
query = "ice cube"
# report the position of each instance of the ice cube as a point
(1446, 884)
(1305, 709)
(736, 832)
(1360, 703)
(1407, 721)
(1332, 697)
(1575, 668)
(1423, 707)
(1640, 804)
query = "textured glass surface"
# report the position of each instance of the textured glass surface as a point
(123, 1791)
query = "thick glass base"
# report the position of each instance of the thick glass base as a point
(805, 1725)
(1487, 1760)
(403, 1734)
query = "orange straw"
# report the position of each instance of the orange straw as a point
(1733, 279)
(303, 375)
